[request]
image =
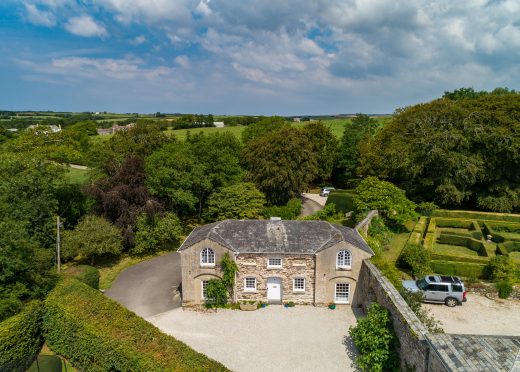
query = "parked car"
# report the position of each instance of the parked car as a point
(326, 191)
(435, 288)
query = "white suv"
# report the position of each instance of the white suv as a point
(435, 288)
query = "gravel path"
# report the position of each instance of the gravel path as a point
(303, 338)
(479, 315)
(149, 287)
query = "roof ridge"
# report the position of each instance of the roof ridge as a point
(220, 236)
(327, 242)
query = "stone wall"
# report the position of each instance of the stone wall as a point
(293, 266)
(374, 287)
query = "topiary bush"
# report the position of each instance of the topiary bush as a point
(375, 338)
(415, 258)
(499, 268)
(84, 273)
(504, 289)
(21, 338)
(97, 334)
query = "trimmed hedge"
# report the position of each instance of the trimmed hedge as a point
(483, 249)
(429, 240)
(84, 273)
(447, 257)
(461, 224)
(97, 334)
(432, 226)
(415, 238)
(499, 236)
(477, 215)
(420, 226)
(464, 269)
(21, 338)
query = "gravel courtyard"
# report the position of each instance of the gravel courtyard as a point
(303, 338)
(479, 316)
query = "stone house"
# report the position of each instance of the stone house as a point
(307, 262)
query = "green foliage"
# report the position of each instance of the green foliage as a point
(92, 238)
(417, 259)
(328, 213)
(216, 294)
(387, 198)
(288, 212)
(483, 249)
(84, 273)
(262, 128)
(500, 268)
(238, 201)
(444, 150)
(504, 289)
(21, 338)
(414, 300)
(477, 215)
(281, 164)
(324, 145)
(160, 232)
(97, 334)
(359, 130)
(376, 340)
(463, 269)
(426, 208)
(342, 199)
(185, 174)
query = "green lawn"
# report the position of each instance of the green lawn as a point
(515, 256)
(454, 250)
(78, 176)
(459, 231)
(343, 199)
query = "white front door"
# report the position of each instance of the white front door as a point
(274, 289)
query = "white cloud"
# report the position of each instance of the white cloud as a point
(138, 40)
(183, 61)
(39, 17)
(85, 26)
(203, 7)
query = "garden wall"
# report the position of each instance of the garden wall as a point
(374, 287)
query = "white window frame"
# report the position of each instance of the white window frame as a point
(341, 301)
(345, 263)
(269, 266)
(249, 289)
(206, 256)
(298, 289)
(202, 296)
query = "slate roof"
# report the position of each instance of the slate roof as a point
(267, 236)
(475, 353)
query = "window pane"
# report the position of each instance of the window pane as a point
(275, 262)
(456, 288)
(204, 285)
(299, 284)
(344, 259)
(250, 283)
(342, 292)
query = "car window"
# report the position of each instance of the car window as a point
(422, 284)
(456, 288)
(437, 287)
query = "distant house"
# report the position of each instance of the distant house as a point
(115, 128)
(297, 120)
(218, 124)
(307, 262)
(49, 128)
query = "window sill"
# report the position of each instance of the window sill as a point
(250, 291)
(207, 266)
(274, 267)
(344, 268)
(299, 291)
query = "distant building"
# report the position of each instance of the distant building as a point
(50, 128)
(115, 128)
(297, 120)
(218, 124)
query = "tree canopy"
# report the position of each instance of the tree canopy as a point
(238, 201)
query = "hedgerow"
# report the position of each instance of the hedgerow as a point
(97, 334)
(21, 338)
(464, 269)
(84, 273)
(477, 215)
(483, 249)
(448, 257)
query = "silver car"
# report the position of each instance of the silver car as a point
(435, 288)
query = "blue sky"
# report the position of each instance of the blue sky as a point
(267, 57)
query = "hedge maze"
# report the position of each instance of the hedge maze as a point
(462, 242)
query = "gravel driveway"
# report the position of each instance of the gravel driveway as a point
(479, 315)
(303, 338)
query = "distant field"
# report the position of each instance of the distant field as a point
(77, 176)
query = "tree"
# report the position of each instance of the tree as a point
(263, 127)
(123, 195)
(359, 130)
(281, 164)
(376, 340)
(238, 201)
(324, 145)
(92, 238)
(185, 174)
(156, 233)
(387, 198)
(454, 152)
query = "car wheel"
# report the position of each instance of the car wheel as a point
(451, 302)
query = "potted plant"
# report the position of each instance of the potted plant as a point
(332, 306)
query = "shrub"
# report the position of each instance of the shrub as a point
(504, 289)
(287, 212)
(84, 273)
(389, 270)
(426, 208)
(500, 268)
(464, 269)
(375, 338)
(416, 258)
(414, 300)
(216, 293)
(97, 334)
(21, 338)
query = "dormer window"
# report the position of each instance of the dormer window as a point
(207, 257)
(344, 259)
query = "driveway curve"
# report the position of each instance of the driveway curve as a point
(150, 287)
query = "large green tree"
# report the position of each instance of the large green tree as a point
(324, 145)
(156, 232)
(238, 201)
(282, 164)
(457, 152)
(263, 127)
